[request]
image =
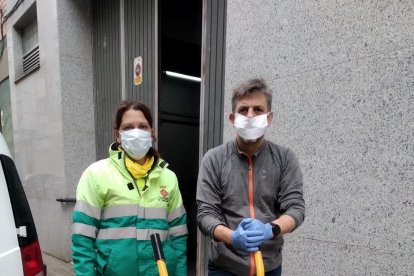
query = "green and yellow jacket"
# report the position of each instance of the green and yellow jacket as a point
(114, 218)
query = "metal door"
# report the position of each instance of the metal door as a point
(122, 30)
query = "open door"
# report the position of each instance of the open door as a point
(192, 43)
(179, 101)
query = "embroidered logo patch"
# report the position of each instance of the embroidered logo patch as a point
(164, 193)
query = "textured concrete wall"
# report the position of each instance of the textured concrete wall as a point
(342, 74)
(37, 125)
(75, 48)
(52, 110)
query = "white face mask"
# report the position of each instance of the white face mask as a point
(136, 142)
(250, 128)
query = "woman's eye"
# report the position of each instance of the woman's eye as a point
(127, 128)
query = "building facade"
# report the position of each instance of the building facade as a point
(342, 75)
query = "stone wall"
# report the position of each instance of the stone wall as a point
(342, 75)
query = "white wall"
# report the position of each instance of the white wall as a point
(342, 74)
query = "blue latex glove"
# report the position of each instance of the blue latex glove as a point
(247, 240)
(257, 225)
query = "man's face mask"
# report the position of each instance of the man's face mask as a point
(250, 129)
(136, 142)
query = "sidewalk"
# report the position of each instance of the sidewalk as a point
(56, 267)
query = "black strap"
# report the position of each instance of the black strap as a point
(163, 164)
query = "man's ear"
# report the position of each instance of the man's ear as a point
(269, 118)
(231, 118)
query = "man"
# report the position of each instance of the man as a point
(250, 190)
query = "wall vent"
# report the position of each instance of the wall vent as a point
(31, 60)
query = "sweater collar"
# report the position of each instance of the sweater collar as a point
(240, 153)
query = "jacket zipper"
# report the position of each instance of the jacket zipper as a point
(136, 185)
(251, 208)
(134, 181)
(130, 176)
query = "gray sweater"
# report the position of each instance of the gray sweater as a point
(223, 198)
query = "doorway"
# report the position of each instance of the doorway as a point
(180, 30)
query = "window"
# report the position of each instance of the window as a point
(30, 46)
(26, 43)
(29, 36)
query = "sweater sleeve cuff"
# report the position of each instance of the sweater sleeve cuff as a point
(212, 231)
(297, 216)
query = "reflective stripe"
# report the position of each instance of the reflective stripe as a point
(178, 230)
(130, 233)
(134, 210)
(88, 209)
(84, 230)
(178, 212)
(145, 234)
(152, 213)
(117, 233)
(120, 211)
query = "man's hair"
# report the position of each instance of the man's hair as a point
(250, 87)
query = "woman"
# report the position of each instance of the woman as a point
(124, 199)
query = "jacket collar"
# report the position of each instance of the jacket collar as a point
(117, 158)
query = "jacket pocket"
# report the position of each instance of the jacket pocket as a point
(102, 258)
(171, 258)
(225, 258)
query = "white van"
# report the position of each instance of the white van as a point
(19, 246)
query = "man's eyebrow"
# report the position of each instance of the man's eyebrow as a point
(251, 105)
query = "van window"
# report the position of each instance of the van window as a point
(20, 206)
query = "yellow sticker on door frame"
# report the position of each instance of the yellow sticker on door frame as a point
(138, 70)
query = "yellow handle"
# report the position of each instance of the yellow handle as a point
(162, 268)
(258, 259)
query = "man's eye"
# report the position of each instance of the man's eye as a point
(242, 111)
(258, 110)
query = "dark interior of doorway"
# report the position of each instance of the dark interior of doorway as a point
(179, 101)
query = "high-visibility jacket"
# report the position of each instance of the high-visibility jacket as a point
(113, 220)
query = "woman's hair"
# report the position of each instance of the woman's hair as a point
(126, 105)
(249, 87)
